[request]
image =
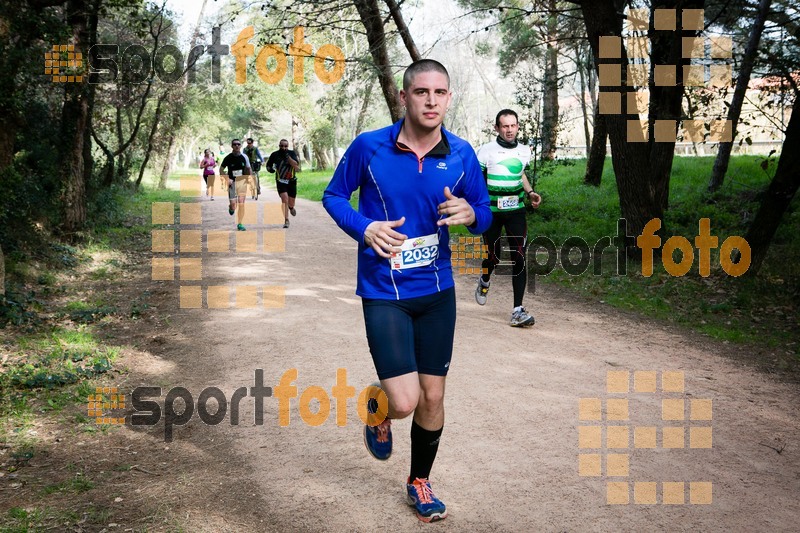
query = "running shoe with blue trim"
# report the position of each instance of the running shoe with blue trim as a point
(420, 495)
(378, 439)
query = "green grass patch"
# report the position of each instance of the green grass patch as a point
(311, 185)
(61, 357)
(77, 484)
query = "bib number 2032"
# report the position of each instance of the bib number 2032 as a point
(416, 252)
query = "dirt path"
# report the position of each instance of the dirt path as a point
(509, 458)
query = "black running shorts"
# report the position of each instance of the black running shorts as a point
(413, 335)
(290, 188)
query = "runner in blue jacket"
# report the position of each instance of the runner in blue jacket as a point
(414, 179)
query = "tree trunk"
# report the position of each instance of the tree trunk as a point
(295, 140)
(550, 89)
(665, 101)
(735, 110)
(397, 16)
(690, 109)
(779, 195)
(581, 64)
(165, 171)
(362, 113)
(337, 134)
(373, 23)
(642, 169)
(150, 138)
(2, 272)
(74, 121)
(597, 153)
(322, 162)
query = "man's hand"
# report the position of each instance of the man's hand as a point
(535, 199)
(381, 236)
(458, 211)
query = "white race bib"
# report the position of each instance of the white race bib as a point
(507, 202)
(237, 173)
(416, 252)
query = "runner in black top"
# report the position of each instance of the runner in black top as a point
(285, 164)
(238, 169)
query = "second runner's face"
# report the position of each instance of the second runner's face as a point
(508, 128)
(426, 100)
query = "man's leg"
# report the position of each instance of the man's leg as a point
(403, 393)
(427, 425)
(240, 216)
(434, 328)
(517, 233)
(231, 197)
(492, 241)
(285, 208)
(292, 193)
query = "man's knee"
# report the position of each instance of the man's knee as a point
(431, 398)
(402, 406)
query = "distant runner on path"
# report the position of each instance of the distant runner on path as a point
(503, 162)
(238, 166)
(285, 164)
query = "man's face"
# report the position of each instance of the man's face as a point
(249, 144)
(236, 146)
(507, 128)
(283, 146)
(427, 100)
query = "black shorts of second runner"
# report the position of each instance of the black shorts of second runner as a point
(290, 188)
(413, 335)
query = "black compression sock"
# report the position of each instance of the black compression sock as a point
(424, 445)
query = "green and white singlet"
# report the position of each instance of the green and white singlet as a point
(503, 168)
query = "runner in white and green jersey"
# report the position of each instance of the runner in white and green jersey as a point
(503, 162)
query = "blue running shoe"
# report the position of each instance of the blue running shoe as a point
(429, 508)
(378, 439)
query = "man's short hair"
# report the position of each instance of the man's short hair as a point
(504, 112)
(423, 65)
(234, 140)
(249, 139)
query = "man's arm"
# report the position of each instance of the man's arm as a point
(347, 179)
(294, 163)
(271, 162)
(526, 184)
